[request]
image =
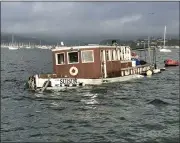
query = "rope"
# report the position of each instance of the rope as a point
(46, 85)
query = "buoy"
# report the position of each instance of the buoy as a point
(73, 71)
(149, 73)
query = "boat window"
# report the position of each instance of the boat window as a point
(114, 56)
(60, 59)
(110, 55)
(127, 52)
(118, 54)
(73, 57)
(87, 56)
(122, 53)
(107, 55)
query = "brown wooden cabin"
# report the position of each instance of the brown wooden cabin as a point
(91, 61)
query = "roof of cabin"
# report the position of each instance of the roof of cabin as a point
(85, 47)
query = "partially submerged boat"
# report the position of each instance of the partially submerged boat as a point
(170, 62)
(89, 65)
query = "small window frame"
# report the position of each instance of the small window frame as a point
(92, 56)
(56, 58)
(68, 57)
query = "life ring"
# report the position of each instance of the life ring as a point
(73, 71)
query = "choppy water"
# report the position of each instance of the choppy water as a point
(143, 110)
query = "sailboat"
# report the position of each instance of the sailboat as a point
(164, 49)
(12, 46)
(29, 46)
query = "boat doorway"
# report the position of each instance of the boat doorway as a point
(103, 64)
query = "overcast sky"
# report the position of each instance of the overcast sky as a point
(90, 19)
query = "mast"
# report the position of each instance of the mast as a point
(149, 50)
(12, 39)
(145, 50)
(164, 36)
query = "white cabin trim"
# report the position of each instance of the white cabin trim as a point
(85, 47)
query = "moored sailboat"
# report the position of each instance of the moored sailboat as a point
(164, 49)
(12, 45)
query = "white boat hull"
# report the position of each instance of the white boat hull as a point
(56, 83)
(165, 50)
(28, 47)
(13, 48)
(52, 82)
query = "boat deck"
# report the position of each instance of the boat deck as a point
(139, 66)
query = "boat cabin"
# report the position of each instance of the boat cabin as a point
(88, 65)
(91, 62)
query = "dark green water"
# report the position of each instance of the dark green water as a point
(143, 110)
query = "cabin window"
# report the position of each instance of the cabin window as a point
(126, 58)
(87, 56)
(114, 56)
(118, 54)
(110, 55)
(107, 55)
(127, 53)
(60, 59)
(122, 52)
(73, 57)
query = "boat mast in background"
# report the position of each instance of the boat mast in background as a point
(164, 36)
(164, 49)
(12, 40)
(149, 50)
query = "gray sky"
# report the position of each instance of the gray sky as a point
(90, 19)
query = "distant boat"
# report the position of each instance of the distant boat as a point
(29, 46)
(42, 47)
(170, 62)
(164, 49)
(177, 47)
(21, 46)
(12, 46)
